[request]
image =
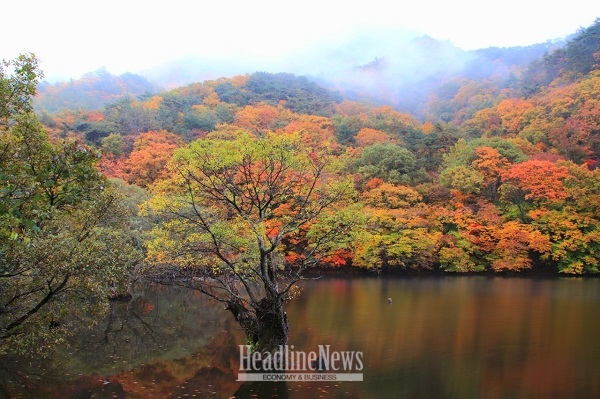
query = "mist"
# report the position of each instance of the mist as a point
(388, 66)
(381, 66)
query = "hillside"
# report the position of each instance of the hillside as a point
(494, 176)
(383, 68)
(91, 92)
(407, 77)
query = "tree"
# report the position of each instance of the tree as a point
(490, 164)
(150, 155)
(538, 180)
(367, 137)
(573, 227)
(17, 90)
(514, 113)
(112, 145)
(315, 131)
(398, 233)
(64, 249)
(465, 180)
(226, 214)
(580, 51)
(389, 162)
(261, 118)
(299, 94)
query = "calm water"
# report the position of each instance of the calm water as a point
(442, 337)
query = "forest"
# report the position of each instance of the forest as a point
(495, 174)
(499, 176)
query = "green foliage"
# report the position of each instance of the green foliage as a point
(462, 178)
(232, 94)
(228, 196)
(573, 61)
(463, 152)
(132, 197)
(573, 227)
(64, 247)
(113, 144)
(395, 239)
(227, 214)
(581, 51)
(16, 89)
(457, 255)
(430, 148)
(346, 128)
(389, 162)
(172, 109)
(299, 94)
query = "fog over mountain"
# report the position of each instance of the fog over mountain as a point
(388, 66)
(406, 55)
(392, 66)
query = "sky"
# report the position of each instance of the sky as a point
(75, 37)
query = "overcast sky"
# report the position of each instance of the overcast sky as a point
(74, 37)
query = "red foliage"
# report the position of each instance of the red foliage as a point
(540, 180)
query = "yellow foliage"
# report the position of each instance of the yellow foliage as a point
(427, 127)
(153, 102)
(212, 100)
(389, 196)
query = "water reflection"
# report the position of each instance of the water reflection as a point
(165, 342)
(440, 337)
(461, 337)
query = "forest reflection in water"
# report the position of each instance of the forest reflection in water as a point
(443, 337)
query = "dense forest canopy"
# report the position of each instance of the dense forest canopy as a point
(497, 173)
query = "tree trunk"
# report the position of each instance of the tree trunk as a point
(272, 323)
(266, 326)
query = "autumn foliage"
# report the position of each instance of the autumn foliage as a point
(500, 175)
(146, 163)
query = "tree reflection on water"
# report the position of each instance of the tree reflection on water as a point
(441, 337)
(164, 342)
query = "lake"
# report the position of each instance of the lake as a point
(441, 337)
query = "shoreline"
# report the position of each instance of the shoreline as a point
(351, 271)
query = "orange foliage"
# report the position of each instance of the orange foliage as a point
(341, 257)
(513, 113)
(111, 167)
(94, 117)
(151, 138)
(428, 127)
(316, 131)
(540, 180)
(212, 99)
(258, 119)
(239, 80)
(490, 163)
(367, 136)
(395, 118)
(389, 196)
(511, 250)
(351, 108)
(487, 120)
(374, 183)
(153, 102)
(151, 153)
